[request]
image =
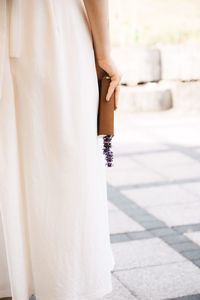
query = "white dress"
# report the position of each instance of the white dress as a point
(54, 229)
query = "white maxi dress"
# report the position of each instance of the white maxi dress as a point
(54, 229)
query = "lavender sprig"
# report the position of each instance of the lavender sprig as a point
(107, 151)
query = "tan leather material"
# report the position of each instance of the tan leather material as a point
(106, 108)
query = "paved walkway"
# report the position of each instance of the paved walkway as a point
(154, 206)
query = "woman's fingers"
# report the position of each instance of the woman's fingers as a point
(114, 85)
(111, 89)
(117, 96)
(115, 81)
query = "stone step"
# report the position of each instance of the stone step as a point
(147, 97)
(185, 95)
(180, 62)
(138, 64)
(161, 62)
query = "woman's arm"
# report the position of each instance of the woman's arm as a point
(98, 15)
(97, 11)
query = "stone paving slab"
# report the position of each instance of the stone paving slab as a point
(133, 147)
(163, 281)
(163, 159)
(193, 188)
(184, 171)
(120, 222)
(143, 253)
(175, 239)
(160, 195)
(186, 246)
(174, 215)
(112, 207)
(125, 162)
(120, 292)
(167, 128)
(194, 236)
(187, 228)
(132, 176)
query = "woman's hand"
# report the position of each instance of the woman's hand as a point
(108, 65)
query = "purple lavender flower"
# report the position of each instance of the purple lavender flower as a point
(107, 145)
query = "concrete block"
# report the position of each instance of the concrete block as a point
(148, 97)
(186, 95)
(138, 64)
(180, 62)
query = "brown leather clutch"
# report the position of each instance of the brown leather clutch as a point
(106, 108)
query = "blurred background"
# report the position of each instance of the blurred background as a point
(154, 185)
(152, 22)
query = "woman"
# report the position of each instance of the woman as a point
(54, 232)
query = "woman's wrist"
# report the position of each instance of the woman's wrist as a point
(105, 56)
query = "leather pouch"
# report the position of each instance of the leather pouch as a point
(106, 108)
